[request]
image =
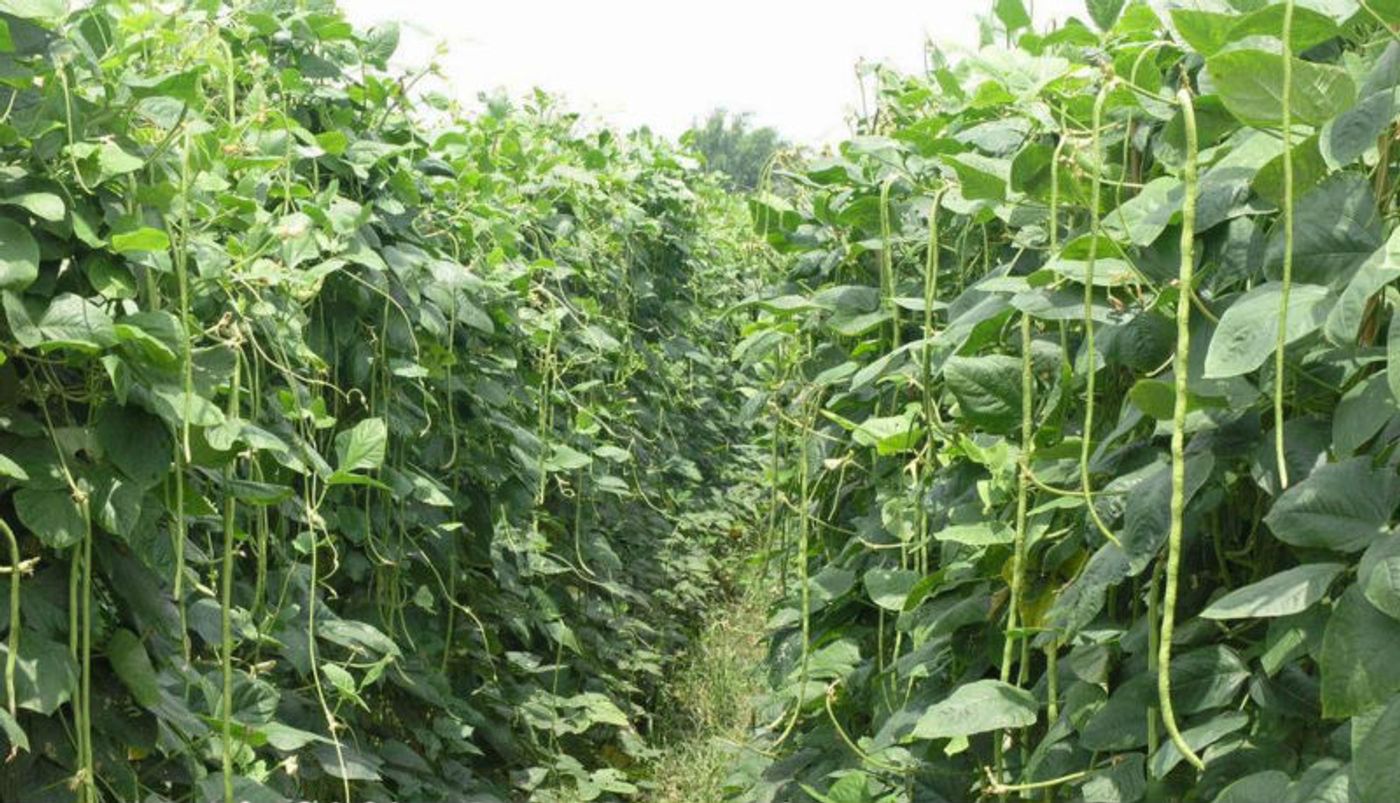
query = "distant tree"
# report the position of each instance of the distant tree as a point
(730, 145)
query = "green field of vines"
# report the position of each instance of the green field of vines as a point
(1082, 395)
(345, 457)
(1040, 437)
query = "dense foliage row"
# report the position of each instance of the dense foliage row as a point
(344, 456)
(1082, 403)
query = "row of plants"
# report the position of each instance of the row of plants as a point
(352, 448)
(1080, 407)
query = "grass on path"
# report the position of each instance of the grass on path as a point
(709, 716)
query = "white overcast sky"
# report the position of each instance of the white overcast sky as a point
(665, 63)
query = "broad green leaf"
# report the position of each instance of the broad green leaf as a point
(108, 278)
(1104, 13)
(351, 478)
(858, 325)
(357, 637)
(988, 390)
(889, 434)
(1324, 781)
(614, 453)
(136, 442)
(1147, 510)
(1382, 586)
(70, 322)
(1392, 349)
(848, 299)
(1030, 170)
(1200, 737)
(980, 177)
(1374, 767)
(19, 256)
(1250, 83)
(1289, 637)
(835, 661)
(851, 788)
(175, 406)
(1347, 316)
(831, 583)
(113, 160)
(1225, 185)
(1310, 28)
(772, 215)
(1335, 230)
(1288, 592)
(1309, 170)
(333, 143)
(155, 336)
(1356, 130)
(115, 502)
(35, 9)
(1012, 14)
(348, 763)
(1205, 31)
(1141, 219)
(381, 41)
(1346, 137)
(566, 458)
(600, 710)
(46, 676)
(44, 205)
(1157, 399)
(1387, 10)
(1362, 413)
(1340, 506)
(1269, 786)
(1360, 659)
(1248, 331)
(288, 739)
(1121, 722)
(889, 588)
(758, 346)
(977, 707)
(14, 734)
(982, 533)
(128, 657)
(1122, 782)
(1206, 678)
(245, 790)
(9, 468)
(142, 239)
(258, 493)
(342, 681)
(1383, 549)
(1059, 304)
(361, 448)
(1140, 344)
(183, 86)
(52, 516)
(1077, 605)
(1307, 443)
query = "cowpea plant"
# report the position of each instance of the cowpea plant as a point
(1082, 402)
(348, 453)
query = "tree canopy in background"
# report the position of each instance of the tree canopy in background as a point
(731, 145)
